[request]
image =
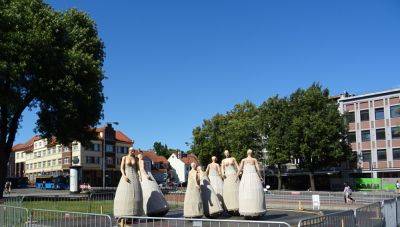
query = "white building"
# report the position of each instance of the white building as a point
(180, 164)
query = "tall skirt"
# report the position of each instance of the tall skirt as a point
(211, 204)
(154, 203)
(128, 196)
(231, 192)
(218, 185)
(251, 195)
(192, 206)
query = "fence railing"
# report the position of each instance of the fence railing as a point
(181, 222)
(338, 219)
(13, 216)
(370, 215)
(42, 217)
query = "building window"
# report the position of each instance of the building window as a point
(53, 162)
(351, 137)
(349, 116)
(90, 159)
(59, 161)
(365, 136)
(49, 163)
(379, 114)
(396, 153)
(395, 111)
(380, 134)
(396, 132)
(109, 148)
(95, 147)
(110, 161)
(364, 115)
(98, 160)
(66, 160)
(381, 155)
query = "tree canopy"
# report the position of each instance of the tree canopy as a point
(50, 61)
(306, 126)
(163, 150)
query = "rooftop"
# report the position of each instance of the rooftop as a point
(370, 95)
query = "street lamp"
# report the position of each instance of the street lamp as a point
(104, 151)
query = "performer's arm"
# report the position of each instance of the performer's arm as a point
(258, 168)
(219, 170)
(222, 169)
(123, 169)
(208, 169)
(240, 168)
(236, 164)
(142, 171)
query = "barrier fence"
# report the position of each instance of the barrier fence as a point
(96, 208)
(181, 222)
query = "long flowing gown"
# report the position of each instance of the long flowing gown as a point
(192, 206)
(231, 189)
(217, 184)
(154, 203)
(211, 204)
(128, 197)
(251, 193)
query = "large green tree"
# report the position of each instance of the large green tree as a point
(163, 150)
(275, 120)
(317, 132)
(50, 61)
(236, 131)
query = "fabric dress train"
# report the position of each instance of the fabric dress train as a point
(211, 204)
(192, 206)
(231, 189)
(251, 193)
(128, 196)
(217, 184)
(154, 203)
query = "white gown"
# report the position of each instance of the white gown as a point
(251, 193)
(217, 184)
(154, 203)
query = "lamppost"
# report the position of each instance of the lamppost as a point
(104, 151)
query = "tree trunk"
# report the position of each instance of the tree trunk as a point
(279, 178)
(312, 183)
(4, 157)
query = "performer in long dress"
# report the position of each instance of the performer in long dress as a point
(154, 203)
(211, 204)
(251, 192)
(193, 206)
(229, 168)
(214, 174)
(128, 197)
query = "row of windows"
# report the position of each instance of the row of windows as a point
(380, 134)
(381, 154)
(379, 114)
(48, 163)
(92, 160)
(109, 148)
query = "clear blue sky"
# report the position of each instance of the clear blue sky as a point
(171, 64)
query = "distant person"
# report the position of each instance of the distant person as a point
(347, 193)
(7, 187)
(398, 186)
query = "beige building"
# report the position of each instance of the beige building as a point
(374, 131)
(40, 157)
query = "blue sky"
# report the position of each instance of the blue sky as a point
(171, 64)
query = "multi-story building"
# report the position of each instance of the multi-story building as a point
(374, 131)
(40, 157)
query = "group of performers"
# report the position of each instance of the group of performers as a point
(138, 192)
(209, 192)
(220, 188)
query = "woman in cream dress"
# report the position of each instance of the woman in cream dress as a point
(211, 204)
(154, 203)
(193, 206)
(128, 197)
(214, 174)
(229, 168)
(251, 193)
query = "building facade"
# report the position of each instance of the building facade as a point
(374, 131)
(40, 157)
(180, 165)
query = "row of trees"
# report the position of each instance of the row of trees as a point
(305, 125)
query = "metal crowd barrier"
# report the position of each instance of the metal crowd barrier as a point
(370, 215)
(13, 216)
(189, 222)
(338, 219)
(42, 217)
